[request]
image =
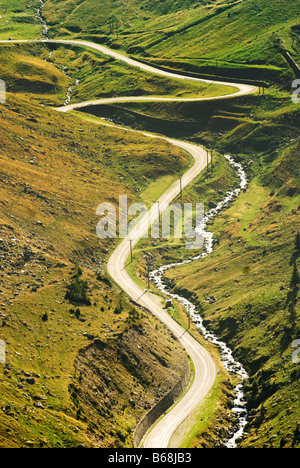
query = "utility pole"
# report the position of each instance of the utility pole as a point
(149, 263)
(131, 250)
(148, 278)
(180, 187)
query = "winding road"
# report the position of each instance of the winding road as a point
(205, 370)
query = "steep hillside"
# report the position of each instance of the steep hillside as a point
(80, 368)
(57, 318)
(184, 34)
(19, 19)
(55, 74)
(252, 274)
(252, 30)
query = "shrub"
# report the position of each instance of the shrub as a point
(77, 313)
(133, 316)
(118, 310)
(77, 292)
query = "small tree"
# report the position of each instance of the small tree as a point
(118, 310)
(77, 313)
(77, 292)
(133, 316)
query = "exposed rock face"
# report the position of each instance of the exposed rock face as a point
(128, 376)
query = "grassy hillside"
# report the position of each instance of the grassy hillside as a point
(18, 19)
(253, 32)
(250, 272)
(80, 364)
(26, 70)
(49, 73)
(257, 309)
(55, 170)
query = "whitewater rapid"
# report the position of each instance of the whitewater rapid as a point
(231, 365)
(40, 17)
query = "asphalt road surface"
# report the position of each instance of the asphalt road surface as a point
(205, 370)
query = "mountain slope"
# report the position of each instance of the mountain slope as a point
(251, 273)
(55, 170)
(185, 29)
(216, 37)
(52, 166)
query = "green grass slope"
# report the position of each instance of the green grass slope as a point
(55, 170)
(239, 32)
(252, 272)
(46, 72)
(18, 19)
(236, 32)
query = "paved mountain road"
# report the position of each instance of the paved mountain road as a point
(205, 369)
(242, 89)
